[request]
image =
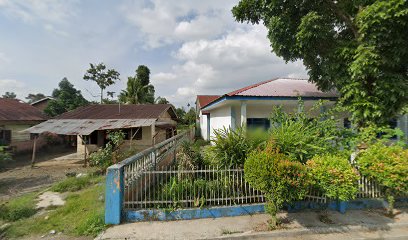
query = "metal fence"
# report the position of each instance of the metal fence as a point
(169, 187)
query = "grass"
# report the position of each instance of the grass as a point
(82, 214)
(73, 184)
(19, 208)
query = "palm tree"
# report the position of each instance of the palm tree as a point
(136, 93)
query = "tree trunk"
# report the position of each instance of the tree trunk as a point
(101, 95)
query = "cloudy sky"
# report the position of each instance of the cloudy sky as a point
(191, 46)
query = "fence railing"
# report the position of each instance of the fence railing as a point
(169, 187)
(121, 178)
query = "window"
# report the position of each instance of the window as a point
(169, 132)
(136, 133)
(255, 123)
(5, 137)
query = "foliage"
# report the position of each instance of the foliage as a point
(334, 175)
(35, 97)
(111, 153)
(161, 100)
(9, 95)
(82, 214)
(372, 134)
(66, 98)
(357, 47)
(388, 165)
(18, 208)
(231, 147)
(189, 157)
(197, 188)
(102, 76)
(300, 135)
(280, 179)
(138, 90)
(4, 156)
(73, 184)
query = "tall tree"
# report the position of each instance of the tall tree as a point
(138, 90)
(358, 47)
(10, 95)
(66, 98)
(35, 97)
(102, 76)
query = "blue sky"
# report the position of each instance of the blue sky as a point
(191, 46)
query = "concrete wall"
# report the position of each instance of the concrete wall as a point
(219, 118)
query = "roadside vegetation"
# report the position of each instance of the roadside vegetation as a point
(81, 215)
(302, 150)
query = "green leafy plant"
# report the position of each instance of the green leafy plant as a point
(189, 157)
(280, 179)
(111, 153)
(4, 156)
(334, 175)
(231, 146)
(388, 165)
(73, 184)
(302, 134)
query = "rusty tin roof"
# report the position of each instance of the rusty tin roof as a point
(16, 110)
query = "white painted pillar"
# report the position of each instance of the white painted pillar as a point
(243, 113)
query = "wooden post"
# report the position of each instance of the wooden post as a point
(34, 150)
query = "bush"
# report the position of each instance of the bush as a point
(19, 208)
(4, 156)
(280, 179)
(388, 165)
(301, 135)
(334, 175)
(111, 153)
(189, 157)
(231, 147)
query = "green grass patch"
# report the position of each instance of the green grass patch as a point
(18, 208)
(82, 215)
(73, 184)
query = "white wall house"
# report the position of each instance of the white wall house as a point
(251, 106)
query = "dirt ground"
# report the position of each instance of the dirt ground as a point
(18, 177)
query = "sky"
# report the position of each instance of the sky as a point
(190, 46)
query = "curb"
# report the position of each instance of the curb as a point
(311, 230)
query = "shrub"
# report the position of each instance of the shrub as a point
(231, 147)
(280, 179)
(4, 156)
(388, 165)
(334, 175)
(111, 153)
(301, 135)
(189, 157)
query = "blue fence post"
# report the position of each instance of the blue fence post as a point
(114, 194)
(342, 206)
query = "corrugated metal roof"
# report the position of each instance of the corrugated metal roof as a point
(16, 110)
(113, 111)
(283, 87)
(86, 126)
(203, 100)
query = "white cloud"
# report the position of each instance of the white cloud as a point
(163, 22)
(11, 85)
(241, 57)
(57, 11)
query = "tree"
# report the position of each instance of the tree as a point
(10, 95)
(181, 113)
(66, 98)
(161, 100)
(35, 97)
(190, 117)
(138, 90)
(357, 47)
(102, 76)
